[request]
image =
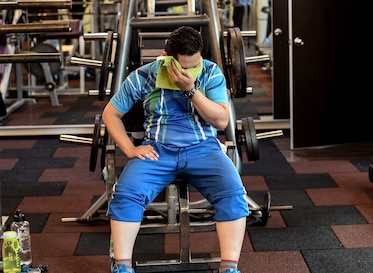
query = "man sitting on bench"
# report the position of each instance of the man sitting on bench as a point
(185, 103)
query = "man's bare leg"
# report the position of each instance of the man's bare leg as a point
(124, 236)
(231, 235)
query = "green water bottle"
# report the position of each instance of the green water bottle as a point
(11, 252)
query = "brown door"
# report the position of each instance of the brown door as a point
(280, 64)
(330, 71)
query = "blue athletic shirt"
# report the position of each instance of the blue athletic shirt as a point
(170, 118)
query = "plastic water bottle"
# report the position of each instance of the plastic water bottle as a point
(11, 252)
(22, 228)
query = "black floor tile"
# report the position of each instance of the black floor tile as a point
(93, 243)
(52, 142)
(291, 198)
(362, 165)
(34, 154)
(339, 260)
(10, 204)
(293, 238)
(181, 268)
(308, 216)
(271, 161)
(266, 168)
(299, 181)
(20, 175)
(44, 163)
(32, 189)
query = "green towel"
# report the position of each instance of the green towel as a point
(163, 79)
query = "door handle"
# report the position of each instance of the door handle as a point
(298, 41)
(277, 31)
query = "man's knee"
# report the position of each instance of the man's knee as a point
(230, 208)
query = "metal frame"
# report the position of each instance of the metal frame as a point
(177, 197)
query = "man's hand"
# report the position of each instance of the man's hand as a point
(183, 79)
(142, 152)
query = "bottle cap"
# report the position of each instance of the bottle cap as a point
(19, 216)
(9, 234)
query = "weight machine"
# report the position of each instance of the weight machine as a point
(13, 54)
(52, 42)
(176, 211)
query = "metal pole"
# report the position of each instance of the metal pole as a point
(123, 43)
(215, 29)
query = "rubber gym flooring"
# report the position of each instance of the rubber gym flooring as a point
(329, 228)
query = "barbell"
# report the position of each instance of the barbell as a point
(30, 58)
(247, 137)
(27, 4)
(35, 27)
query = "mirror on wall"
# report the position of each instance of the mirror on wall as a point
(58, 95)
(40, 85)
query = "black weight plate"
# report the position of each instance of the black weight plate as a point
(95, 143)
(104, 140)
(223, 54)
(106, 65)
(254, 140)
(247, 138)
(227, 60)
(35, 68)
(251, 142)
(266, 209)
(236, 63)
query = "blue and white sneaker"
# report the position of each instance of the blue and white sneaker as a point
(121, 269)
(229, 271)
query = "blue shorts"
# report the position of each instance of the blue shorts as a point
(204, 166)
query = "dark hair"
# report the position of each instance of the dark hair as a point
(184, 41)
